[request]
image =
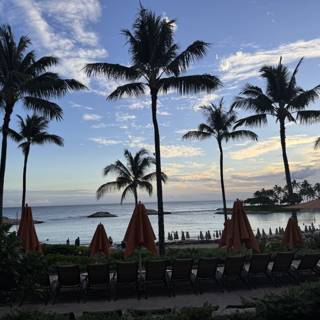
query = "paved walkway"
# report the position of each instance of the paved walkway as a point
(222, 299)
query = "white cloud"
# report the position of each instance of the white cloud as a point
(269, 145)
(104, 141)
(60, 28)
(167, 150)
(91, 117)
(99, 125)
(79, 106)
(122, 116)
(244, 65)
(163, 113)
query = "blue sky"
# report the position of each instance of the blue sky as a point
(244, 35)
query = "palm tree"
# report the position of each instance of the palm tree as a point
(316, 189)
(284, 100)
(132, 176)
(219, 125)
(156, 66)
(32, 130)
(27, 79)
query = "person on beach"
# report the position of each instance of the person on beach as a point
(77, 242)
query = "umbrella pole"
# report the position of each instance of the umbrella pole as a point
(140, 260)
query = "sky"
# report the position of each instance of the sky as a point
(244, 35)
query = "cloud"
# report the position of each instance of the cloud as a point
(163, 113)
(122, 116)
(167, 151)
(99, 125)
(104, 141)
(269, 145)
(79, 106)
(244, 65)
(91, 117)
(61, 28)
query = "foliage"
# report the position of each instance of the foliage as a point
(10, 250)
(33, 315)
(64, 249)
(301, 302)
(110, 315)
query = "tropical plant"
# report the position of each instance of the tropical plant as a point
(25, 78)
(31, 131)
(132, 176)
(219, 125)
(284, 100)
(156, 67)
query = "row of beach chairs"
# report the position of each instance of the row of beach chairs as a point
(169, 276)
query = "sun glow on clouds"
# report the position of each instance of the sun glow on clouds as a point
(269, 145)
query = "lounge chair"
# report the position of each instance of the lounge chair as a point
(98, 278)
(307, 265)
(155, 274)
(232, 270)
(281, 266)
(69, 279)
(42, 288)
(126, 275)
(206, 271)
(181, 272)
(258, 266)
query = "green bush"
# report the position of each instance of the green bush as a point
(110, 315)
(65, 249)
(300, 302)
(35, 315)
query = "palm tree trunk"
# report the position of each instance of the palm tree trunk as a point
(158, 171)
(24, 179)
(5, 129)
(286, 162)
(222, 183)
(135, 194)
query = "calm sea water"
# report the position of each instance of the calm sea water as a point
(63, 222)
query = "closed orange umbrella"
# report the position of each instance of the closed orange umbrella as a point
(225, 232)
(239, 230)
(139, 232)
(27, 232)
(100, 242)
(292, 235)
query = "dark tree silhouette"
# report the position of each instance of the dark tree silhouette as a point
(31, 131)
(156, 66)
(26, 79)
(219, 125)
(132, 176)
(284, 100)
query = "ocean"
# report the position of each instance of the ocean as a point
(63, 222)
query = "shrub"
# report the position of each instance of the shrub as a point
(35, 315)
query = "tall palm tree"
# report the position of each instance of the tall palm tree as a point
(32, 130)
(25, 78)
(284, 100)
(219, 125)
(132, 176)
(156, 66)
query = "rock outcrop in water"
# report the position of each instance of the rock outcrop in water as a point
(102, 214)
(7, 220)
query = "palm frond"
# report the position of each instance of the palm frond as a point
(112, 71)
(317, 143)
(190, 84)
(240, 134)
(181, 62)
(107, 187)
(196, 134)
(45, 107)
(252, 121)
(308, 116)
(42, 64)
(43, 138)
(131, 89)
(129, 188)
(302, 100)
(145, 185)
(117, 168)
(15, 136)
(153, 175)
